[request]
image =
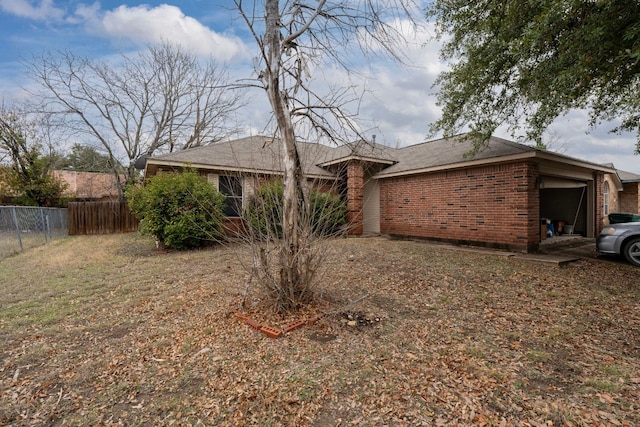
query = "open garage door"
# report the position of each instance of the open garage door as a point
(554, 182)
(564, 203)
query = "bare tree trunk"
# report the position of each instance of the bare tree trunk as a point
(294, 248)
(298, 34)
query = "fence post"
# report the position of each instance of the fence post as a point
(15, 221)
(44, 224)
(47, 223)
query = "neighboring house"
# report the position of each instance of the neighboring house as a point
(622, 189)
(630, 195)
(88, 186)
(434, 190)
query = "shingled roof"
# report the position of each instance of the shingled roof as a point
(626, 177)
(260, 154)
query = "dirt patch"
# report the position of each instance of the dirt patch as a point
(355, 320)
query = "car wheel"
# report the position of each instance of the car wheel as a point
(632, 251)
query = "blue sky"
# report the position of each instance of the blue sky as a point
(399, 102)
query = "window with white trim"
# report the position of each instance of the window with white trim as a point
(231, 186)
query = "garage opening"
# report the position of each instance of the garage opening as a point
(564, 203)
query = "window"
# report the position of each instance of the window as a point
(231, 186)
(605, 197)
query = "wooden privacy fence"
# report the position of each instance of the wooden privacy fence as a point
(100, 218)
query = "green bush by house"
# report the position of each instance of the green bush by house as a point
(180, 210)
(264, 212)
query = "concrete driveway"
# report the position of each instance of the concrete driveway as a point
(575, 246)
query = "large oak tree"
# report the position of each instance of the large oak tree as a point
(527, 62)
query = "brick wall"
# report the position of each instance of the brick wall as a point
(496, 206)
(629, 198)
(598, 182)
(355, 198)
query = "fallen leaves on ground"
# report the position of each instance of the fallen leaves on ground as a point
(103, 330)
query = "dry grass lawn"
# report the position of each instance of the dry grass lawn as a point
(104, 330)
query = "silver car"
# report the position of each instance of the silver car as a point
(621, 239)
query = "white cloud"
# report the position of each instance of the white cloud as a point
(139, 25)
(43, 10)
(400, 99)
(85, 13)
(143, 25)
(572, 136)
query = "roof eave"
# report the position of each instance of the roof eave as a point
(533, 154)
(545, 155)
(359, 158)
(235, 169)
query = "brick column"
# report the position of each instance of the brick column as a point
(598, 183)
(355, 198)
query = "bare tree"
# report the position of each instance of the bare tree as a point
(161, 99)
(291, 36)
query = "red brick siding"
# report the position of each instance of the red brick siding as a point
(233, 227)
(630, 197)
(355, 198)
(598, 182)
(495, 205)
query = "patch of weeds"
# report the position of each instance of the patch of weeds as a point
(445, 300)
(306, 394)
(476, 352)
(497, 375)
(600, 384)
(614, 370)
(305, 388)
(513, 336)
(187, 346)
(537, 356)
(189, 381)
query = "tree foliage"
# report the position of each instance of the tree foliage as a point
(531, 61)
(84, 158)
(28, 180)
(180, 210)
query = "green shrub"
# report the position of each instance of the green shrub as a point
(328, 212)
(180, 210)
(264, 212)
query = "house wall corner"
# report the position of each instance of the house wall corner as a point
(494, 205)
(355, 198)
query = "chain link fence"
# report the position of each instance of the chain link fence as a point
(23, 227)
